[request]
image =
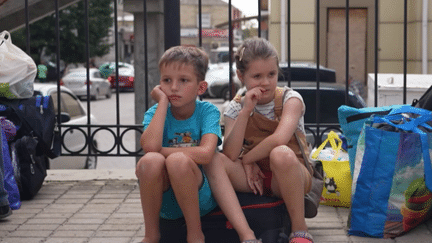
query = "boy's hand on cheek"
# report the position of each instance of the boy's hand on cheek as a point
(158, 95)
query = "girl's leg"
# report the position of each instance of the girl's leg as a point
(290, 181)
(150, 169)
(217, 173)
(185, 178)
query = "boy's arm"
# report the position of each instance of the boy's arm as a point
(201, 154)
(151, 138)
(291, 114)
(210, 129)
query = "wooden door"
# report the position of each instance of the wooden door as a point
(357, 43)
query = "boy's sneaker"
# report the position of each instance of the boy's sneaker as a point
(5, 211)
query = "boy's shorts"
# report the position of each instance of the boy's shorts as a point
(171, 210)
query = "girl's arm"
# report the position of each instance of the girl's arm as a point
(201, 154)
(291, 114)
(234, 135)
(235, 129)
(151, 138)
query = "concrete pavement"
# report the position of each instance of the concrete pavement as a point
(94, 206)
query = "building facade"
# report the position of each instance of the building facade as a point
(332, 35)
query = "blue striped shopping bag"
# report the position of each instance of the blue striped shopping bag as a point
(392, 181)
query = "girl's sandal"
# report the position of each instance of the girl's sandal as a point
(300, 237)
(252, 241)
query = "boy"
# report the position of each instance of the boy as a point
(180, 135)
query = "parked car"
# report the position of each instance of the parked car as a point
(72, 113)
(306, 72)
(126, 79)
(76, 80)
(107, 68)
(332, 96)
(217, 78)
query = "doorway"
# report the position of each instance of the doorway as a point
(357, 43)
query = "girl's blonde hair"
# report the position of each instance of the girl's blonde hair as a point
(186, 54)
(252, 49)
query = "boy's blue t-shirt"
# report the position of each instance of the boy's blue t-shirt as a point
(187, 133)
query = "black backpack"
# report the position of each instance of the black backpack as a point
(425, 101)
(37, 139)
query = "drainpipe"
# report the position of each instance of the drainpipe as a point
(283, 32)
(425, 37)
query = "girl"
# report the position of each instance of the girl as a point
(260, 151)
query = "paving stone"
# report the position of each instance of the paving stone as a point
(76, 227)
(22, 240)
(16, 215)
(128, 227)
(50, 227)
(85, 221)
(4, 226)
(91, 215)
(106, 200)
(30, 233)
(67, 240)
(74, 201)
(110, 196)
(46, 221)
(73, 233)
(126, 215)
(74, 196)
(52, 215)
(115, 233)
(110, 240)
(124, 221)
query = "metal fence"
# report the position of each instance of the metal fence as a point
(118, 130)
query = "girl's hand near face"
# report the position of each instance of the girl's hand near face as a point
(252, 97)
(158, 95)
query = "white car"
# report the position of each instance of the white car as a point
(74, 140)
(76, 80)
(217, 78)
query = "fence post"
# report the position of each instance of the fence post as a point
(155, 49)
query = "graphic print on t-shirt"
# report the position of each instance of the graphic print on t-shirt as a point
(183, 139)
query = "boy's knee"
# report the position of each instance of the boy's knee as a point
(151, 162)
(176, 160)
(282, 156)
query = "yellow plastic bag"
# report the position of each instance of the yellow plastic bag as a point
(337, 176)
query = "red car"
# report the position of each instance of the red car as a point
(126, 79)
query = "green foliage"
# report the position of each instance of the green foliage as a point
(72, 32)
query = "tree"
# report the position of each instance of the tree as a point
(72, 33)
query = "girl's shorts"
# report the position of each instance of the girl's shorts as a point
(171, 210)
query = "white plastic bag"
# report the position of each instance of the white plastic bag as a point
(17, 70)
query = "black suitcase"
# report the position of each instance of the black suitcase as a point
(267, 217)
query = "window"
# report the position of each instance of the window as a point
(69, 105)
(205, 20)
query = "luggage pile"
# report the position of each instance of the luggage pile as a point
(28, 122)
(390, 167)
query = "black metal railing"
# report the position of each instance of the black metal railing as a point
(118, 130)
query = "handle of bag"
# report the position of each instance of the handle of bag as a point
(409, 109)
(332, 137)
(3, 35)
(413, 126)
(408, 126)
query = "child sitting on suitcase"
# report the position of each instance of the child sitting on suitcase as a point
(260, 151)
(180, 134)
